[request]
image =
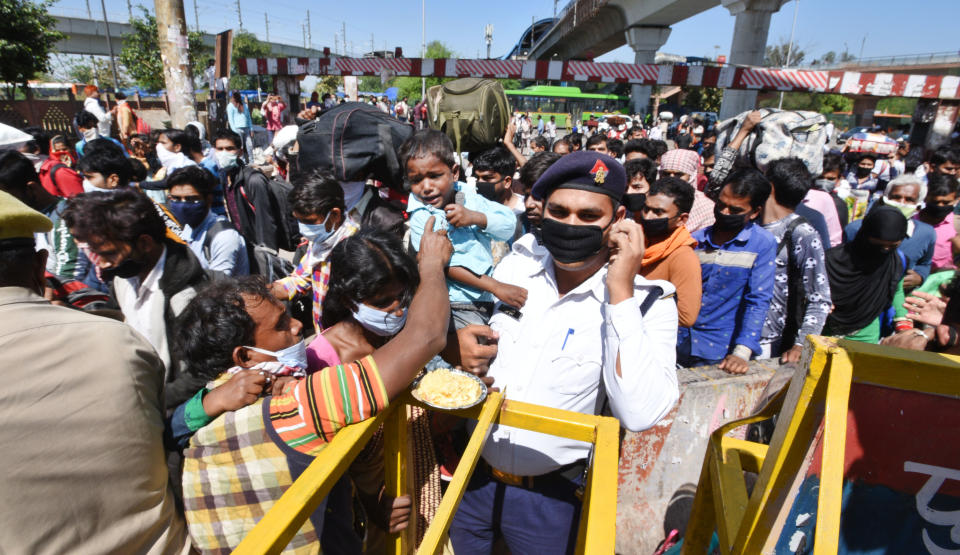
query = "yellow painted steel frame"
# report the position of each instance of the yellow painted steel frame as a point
(743, 523)
(597, 533)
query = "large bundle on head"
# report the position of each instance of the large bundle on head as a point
(873, 143)
(355, 141)
(780, 134)
(473, 112)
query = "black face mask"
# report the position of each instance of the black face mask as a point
(863, 172)
(571, 243)
(635, 201)
(655, 227)
(938, 213)
(126, 269)
(487, 190)
(729, 222)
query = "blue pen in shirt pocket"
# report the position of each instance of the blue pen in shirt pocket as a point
(565, 337)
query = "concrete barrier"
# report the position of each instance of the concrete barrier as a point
(665, 460)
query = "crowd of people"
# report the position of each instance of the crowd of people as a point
(186, 329)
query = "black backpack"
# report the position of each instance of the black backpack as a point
(287, 230)
(262, 261)
(355, 141)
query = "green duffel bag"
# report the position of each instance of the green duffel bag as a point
(473, 112)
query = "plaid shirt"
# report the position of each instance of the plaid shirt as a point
(240, 464)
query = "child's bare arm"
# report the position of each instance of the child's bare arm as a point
(509, 294)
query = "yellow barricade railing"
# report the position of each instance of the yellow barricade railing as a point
(597, 532)
(743, 522)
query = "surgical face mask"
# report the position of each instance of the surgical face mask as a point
(635, 201)
(827, 185)
(379, 322)
(729, 222)
(908, 210)
(188, 212)
(91, 188)
(571, 243)
(225, 160)
(165, 157)
(91, 134)
(294, 356)
(316, 233)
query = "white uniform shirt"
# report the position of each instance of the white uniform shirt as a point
(142, 306)
(104, 118)
(555, 354)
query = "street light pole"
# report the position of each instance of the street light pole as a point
(113, 61)
(423, 45)
(793, 30)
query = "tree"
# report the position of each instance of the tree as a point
(328, 84)
(776, 55)
(246, 45)
(410, 86)
(81, 71)
(822, 103)
(140, 54)
(28, 36)
(706, 99)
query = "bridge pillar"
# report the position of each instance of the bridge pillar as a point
(748, 47)
(863, 109)
(645, 41)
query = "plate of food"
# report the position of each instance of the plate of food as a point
(449, 389)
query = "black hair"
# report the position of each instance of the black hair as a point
(363, 266)
(635, 145)
(85, 120)
(15, 263)
(708, 134)
(40, 142)
(497, 159)
(316, 193)
(943, 155)
(428, 142)
(562, 141)
(913, 159)
(229, 135)
(708, 151)
(656, 149)
(941, 184)
(615, 146)
(106, 162)
(679, 190)
(189, 142)
(575, 139)
(236, 96)
(642, 166)
(119, 95)
(120, 216)
(103, 144)
(195, 176)
(215, 322)
(535, 166)
(866, 156)
(540, 141)
(597, 139)
(749, 182)
(832, 162)
(790, 179)
(16, 171)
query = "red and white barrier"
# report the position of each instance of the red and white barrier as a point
(728, 77)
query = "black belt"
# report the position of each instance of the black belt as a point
(569, 472)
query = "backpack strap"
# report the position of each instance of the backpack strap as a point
(216, 228)
(653, 296)
(788, 235)
(53, 175)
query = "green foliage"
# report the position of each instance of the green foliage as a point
(28, 36)
(246, 45)
(370, 84)
(140, 54)
(897, 105)
(83, 71)
(705, 99)
(822, 103)
(776, 55)
(328, 84)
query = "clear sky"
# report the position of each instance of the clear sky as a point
(889, 27)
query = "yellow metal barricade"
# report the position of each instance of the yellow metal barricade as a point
(597, 533)
(815, 401)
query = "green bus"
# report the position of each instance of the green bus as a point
(563, 102)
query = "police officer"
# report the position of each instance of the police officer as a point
(591, 330)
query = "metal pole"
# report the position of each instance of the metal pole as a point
(239, 15)
(793, 31)
(266, 23)
(93, 63)
(309, 32)
(196, 16)
(423, 45)
(129, 10)
(113, 61)
(343, 36)
(373, 46)
(177, 75)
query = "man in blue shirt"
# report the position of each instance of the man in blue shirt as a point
(215, 242)
(905, 194)
(87, 125)
(737, 267)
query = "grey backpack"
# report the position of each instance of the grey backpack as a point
(780, 134)
(473, 112)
